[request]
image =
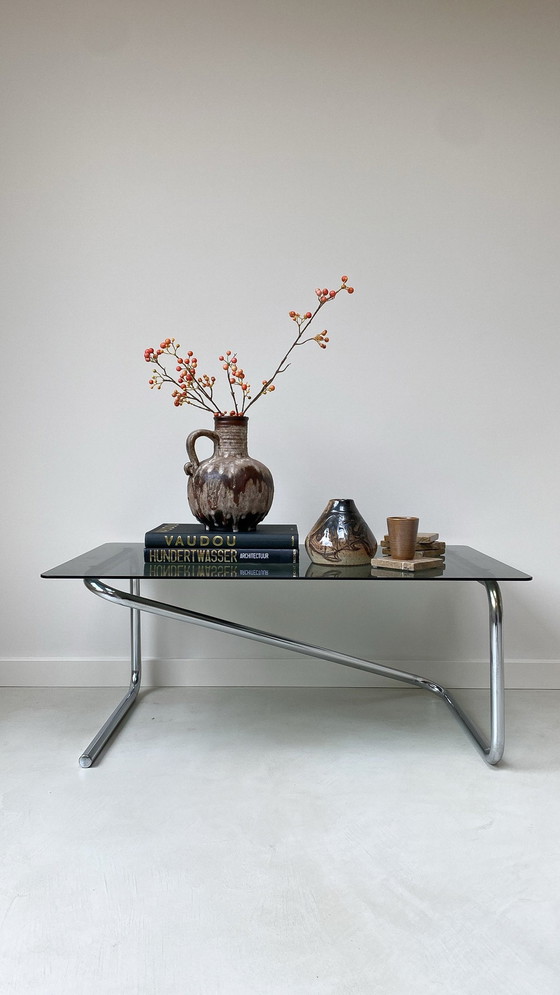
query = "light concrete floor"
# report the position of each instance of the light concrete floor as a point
(283, 841)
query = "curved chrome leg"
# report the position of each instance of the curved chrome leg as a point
(497, 676)
(492, 751)
(90, 754)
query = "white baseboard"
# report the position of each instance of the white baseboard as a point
(281, 672)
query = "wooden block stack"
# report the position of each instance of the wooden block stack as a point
(429, 554)
(427, 544)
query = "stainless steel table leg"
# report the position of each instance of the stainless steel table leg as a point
(99, 742)
(491, 750)
(497, 676)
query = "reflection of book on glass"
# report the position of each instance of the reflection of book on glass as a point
(193, 535)
(161, 554)
(219, 571)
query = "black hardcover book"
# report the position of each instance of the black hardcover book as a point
(209, 554)
(196, 536)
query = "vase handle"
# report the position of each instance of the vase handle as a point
(194, 463)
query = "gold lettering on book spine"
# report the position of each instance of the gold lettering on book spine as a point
(214, 539)
(161, 555)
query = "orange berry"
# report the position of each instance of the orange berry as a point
(350, 290)
(344, 279)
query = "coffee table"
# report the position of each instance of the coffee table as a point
(125, 561)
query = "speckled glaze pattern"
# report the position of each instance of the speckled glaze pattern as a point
(230, 491)
(341, 536)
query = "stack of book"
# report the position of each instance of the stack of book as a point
(271, 550)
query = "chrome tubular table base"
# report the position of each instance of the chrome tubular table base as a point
(97, 744)
(492, 749)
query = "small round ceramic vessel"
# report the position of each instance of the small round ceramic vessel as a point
(341, 536)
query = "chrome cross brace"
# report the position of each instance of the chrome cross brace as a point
(492, 749)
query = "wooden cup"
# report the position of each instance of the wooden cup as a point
(402, 537)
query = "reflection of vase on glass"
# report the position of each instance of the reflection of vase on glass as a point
(343, 571)
(341, 536)
(230, 491)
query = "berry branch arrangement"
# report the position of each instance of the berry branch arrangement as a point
(191, 387)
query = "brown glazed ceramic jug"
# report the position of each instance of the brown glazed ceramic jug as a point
(230, 491)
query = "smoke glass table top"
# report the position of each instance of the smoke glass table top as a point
(125, 561)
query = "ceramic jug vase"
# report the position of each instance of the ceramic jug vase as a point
(230, 491)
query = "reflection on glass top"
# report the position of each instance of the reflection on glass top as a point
(126, 561)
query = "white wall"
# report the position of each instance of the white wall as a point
(188, 169)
